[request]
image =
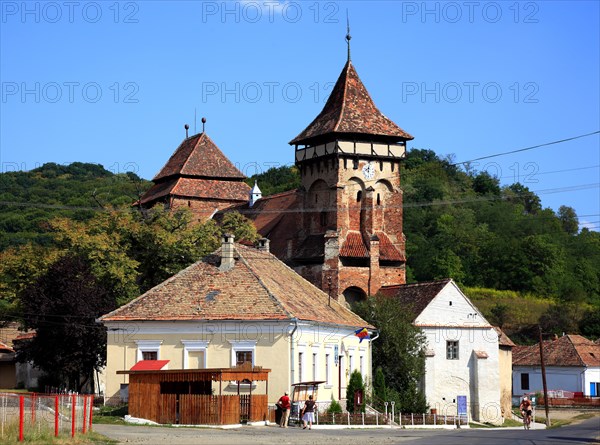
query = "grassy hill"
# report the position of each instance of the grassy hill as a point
(77, 191)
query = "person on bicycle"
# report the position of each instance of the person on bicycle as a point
(525, 408)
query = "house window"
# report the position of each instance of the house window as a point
(148, 350)
(194, 354)
(594, 389)
(243, 352)
(452, 350)
(243, 357)
(314, 366)
(361, 364)
(149, 355)
(350, 364)
(300, 356)
(327, 369)
(524, 381)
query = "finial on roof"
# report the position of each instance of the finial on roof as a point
(348, 36)
(203, 122)
(187, 127)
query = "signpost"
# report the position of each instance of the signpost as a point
(461, 402)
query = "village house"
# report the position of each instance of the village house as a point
(240, 306)
(462, 350)
(572, 364)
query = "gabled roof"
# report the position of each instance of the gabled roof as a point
(568, 350)
(415, 297)
(350, 111)
(258, 287)
(198, 156)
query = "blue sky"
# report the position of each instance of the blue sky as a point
(114, 82)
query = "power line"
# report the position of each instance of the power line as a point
(530, 148)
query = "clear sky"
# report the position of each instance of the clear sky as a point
(114, 82)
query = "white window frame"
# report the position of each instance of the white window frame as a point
(362, 362)
(193, 346)
(454, 355)
(316, 348)
(328, 365)
(242, 346)
(147, 346)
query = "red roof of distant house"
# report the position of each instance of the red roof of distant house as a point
(568, 350)
(149, 365)
(5, 348)
(350, 111)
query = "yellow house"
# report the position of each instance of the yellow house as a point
(236, 306)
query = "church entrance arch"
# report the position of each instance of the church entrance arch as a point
(354, 294)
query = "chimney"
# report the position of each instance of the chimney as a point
(263, 244)
(227, 250)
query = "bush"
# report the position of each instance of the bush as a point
(334, 407)
(355, 384)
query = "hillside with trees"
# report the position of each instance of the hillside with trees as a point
(521, 263)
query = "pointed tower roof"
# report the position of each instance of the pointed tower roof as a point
(350, 111)
(198, 156)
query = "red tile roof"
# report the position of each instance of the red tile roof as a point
(199, 156)
(568, 350)
(415, 297)
(198, 188)
(354, 246)
(387, 251)
(258, 287)
(149, 365)
(350, 111)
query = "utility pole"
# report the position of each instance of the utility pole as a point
(546, 401)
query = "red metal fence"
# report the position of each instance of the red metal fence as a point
(44, 415)
(583, 401)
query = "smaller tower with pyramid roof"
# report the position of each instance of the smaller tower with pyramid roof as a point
(200, 177)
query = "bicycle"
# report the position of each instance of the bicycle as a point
(526, 419)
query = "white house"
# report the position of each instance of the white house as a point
(572, 364)
(462, 356)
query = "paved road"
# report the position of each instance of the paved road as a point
(584, 433)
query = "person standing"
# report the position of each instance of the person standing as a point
(285, 405)
(308, 413)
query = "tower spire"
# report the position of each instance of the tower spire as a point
(348, 36)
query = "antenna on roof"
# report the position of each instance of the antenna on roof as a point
(195, 132)
(203, 122)
(187, 127)
(348, 36)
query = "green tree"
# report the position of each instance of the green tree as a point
(240, 226)
(62, 306)
(379, 389)
(355, 384)
(399, 351)
(568, 219)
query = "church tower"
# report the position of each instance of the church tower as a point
(350, 243)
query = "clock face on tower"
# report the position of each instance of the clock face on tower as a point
(369, 171)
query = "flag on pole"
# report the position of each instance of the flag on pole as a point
(363, 334)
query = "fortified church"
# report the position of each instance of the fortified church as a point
(342, 229)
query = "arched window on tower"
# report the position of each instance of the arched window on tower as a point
(359, 196)
(378, 199)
